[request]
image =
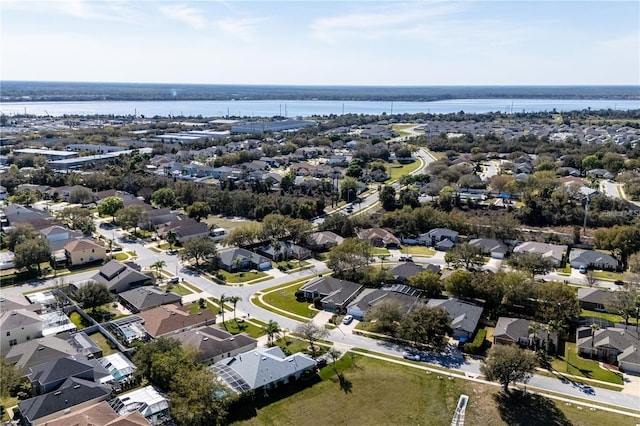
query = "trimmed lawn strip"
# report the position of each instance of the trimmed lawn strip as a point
(240, 277)
(103, 343)
(606, 275)
(377, 392)
(581, 381)
(191, 287)
(418, 250)
(177, 289)
(576, 365)
(241, 326)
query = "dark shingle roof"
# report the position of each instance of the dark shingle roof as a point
(147, 297)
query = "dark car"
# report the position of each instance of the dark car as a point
(619, 282)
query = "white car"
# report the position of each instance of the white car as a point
(347, 320)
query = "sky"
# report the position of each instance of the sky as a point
(413, 43)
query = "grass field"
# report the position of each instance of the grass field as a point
(241, 326)
(396, 170)
(418, 250)
(606, 275)
(227, 222)
(241, 277)
(571, 363)
(103, 343)
(178, 289)
(285, 299)
(376, 392)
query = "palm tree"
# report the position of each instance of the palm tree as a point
(158, 265)
(223, 299)
(594, 328)
(234, 300)
(271, 328)
(275, 244)
(334, 354)
(171, 238)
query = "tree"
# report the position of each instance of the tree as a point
(387, 315)
(10, 377)
(200, 248)
(388, 198)
(508, 363)
(622, 240)
(517, 287)
(194, 395)
(594, 329)
(130, 217)
(311, 333)
(273, 227)
(234, 301)
(428, 282)
(171, 238)
(272, 328)
(77, 218)
(335, 355)
(198, 210)
(109, 206)
(93, 294)
(18, 234)
(164, 197)
(556, 302)
(223, 299)
(465, 256)
(298, 230)
(425, 325)
(243, 235)
(533, 263)
(349, 188)
(349, 256)
(81, 196)
(590, 278)
(625, 301)
(158, 265)
(459, 283)
(32, 252)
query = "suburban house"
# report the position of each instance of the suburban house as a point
(323, 240)
(12, 302)
(74, 394)
(406, 296)
(119, 277)
(172, 318)
(214, 344)
(39, 351)
(493, 248)
(79, 252)
(612, 345)
(402, 272)
(592, 259)
(518, 331)
(263, 368)
(464, 316)
(99, 414)
(47, 377)
(437, 235)
(191, 231)
(335, 294)
(284, 250)
(594, 299)
(142, 298)
(239, 259)
(379, 237)
(153, 405)
(19, 326)
(7, 260)
(554, 253)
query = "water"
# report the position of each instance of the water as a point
(289, 108)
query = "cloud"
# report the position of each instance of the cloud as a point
(186, 14)
(380, 22)
(243, 29)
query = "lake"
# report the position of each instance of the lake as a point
(305, 108)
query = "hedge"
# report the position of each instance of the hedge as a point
(477, 345)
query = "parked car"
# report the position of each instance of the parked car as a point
(347, 319)
(406, 258)
(413, 356)
(173, 280)
(582, 269)
(116, 249)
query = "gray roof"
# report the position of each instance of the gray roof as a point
(590, 257)
(60, 369)
(72, 392)
(116, 272)
(464, 316)
(594, 295)
(18, 319)
(332, 290)
(228, 257)
(612, 337)
(439, 233)
(260, 367)
(324, 237)
(489, 246)
(406, 270)
(552, 251)
(512, 328)
(148, 297)
(39, 351)
(212, 341)
(405, 295)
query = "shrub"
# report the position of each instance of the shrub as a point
(475, 347)
(299, 295)
(317, 302)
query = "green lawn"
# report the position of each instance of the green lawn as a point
(564, 271)
(178, 289)
(397, 170)
(379, 251)
(242, 326)
(376, 392)
(290, 264)
(576, 365)
(194, 308)
(103, 343)
(605, 315)
(418, 250)
(285, 299)
(241, 277)
(120, 256)
(77, 320)
(606, 275)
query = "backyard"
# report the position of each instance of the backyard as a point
(103, 343)
(376, 392)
